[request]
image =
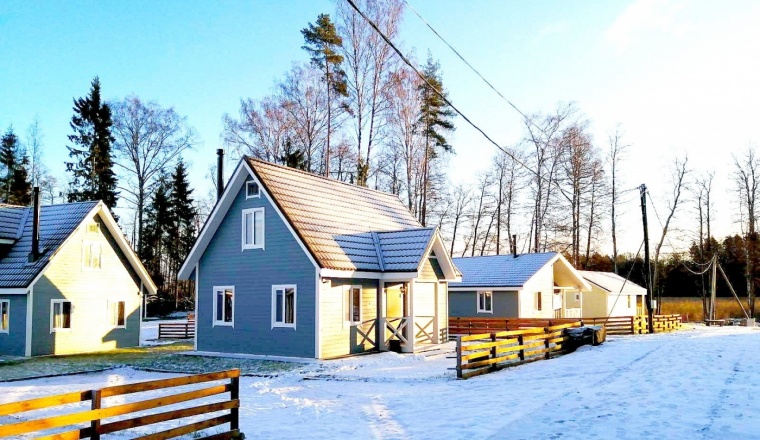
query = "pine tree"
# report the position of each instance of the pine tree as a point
(20, 185)
(180, 229)
(92, 172)
(153, 252)
(435, 121)
(8, 153)
(321, 42)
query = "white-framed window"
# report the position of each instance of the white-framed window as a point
(224, 306)
(253, 228)
(538, 300)
(60, 315)
(91, 254)
(252, 190)
(284, 305)
(117, 314)
(485, 301)
(93, 228)
(353, 305)
(5, 315)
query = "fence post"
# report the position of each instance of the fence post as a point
(95, 423)
(459, 357)
(493, 350)
(520, 342)
(235, 395)
(546, 342)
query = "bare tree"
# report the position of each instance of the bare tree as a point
(482, 210)
(261, 131)
(148, 138)
(747, 180)
(508, 177)
(595, 195)
(369, 63)
(461, 198)
(34, 148)
(615, 155)
(678, 173)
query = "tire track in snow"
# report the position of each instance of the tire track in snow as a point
(723, 396)
(539, 408)
(381, 422)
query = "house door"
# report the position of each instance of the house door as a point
(395, 301)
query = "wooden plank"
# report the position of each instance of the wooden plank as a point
(475, 337)
(498, 343)
(68, 435)
(472, 365)
(168, 415)
(151, 385)
(44, 402)
(86, 416)
(476, 355)
(187, 429)
(563, 326)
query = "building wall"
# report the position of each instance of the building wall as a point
(253, 272)
(464, 304)
(595, 303)
(543, 283)
(13, 343)
(338, 337)
(89, 291)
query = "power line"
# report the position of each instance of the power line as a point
(465, 61)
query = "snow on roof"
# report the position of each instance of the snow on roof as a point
(613, 283)
(500, 270)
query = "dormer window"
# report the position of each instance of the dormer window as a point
(252, 190)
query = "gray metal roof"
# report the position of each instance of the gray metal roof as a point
(57, 222)
(500, 270)
(336, 220)
(11, 217)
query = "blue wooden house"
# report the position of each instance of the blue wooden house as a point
(69, 281)
(293, 264)
(540, 285)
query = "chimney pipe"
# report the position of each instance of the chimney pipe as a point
(514, 245)
(35, 253)
(219, 173)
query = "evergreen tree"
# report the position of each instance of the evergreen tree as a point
(8, 152)
(435, 122)
(153, 252)
(321, 42)
(180, 229)
(92, 175)
(20, 185)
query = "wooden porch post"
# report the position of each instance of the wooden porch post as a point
(380, 322)
(436, 323)
(411, 329)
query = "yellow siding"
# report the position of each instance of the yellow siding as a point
(443, 312)
(338, 337)
(427, 272)
(89, 291)
(543, 282)
(594, 303)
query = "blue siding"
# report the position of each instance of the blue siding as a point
(13, 343)
(253, 272)
(464, 304)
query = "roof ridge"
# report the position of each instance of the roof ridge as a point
(378, 251)
(326, 179)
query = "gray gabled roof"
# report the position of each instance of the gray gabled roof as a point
(500, 270)
(345, 226)
(57, 222)
(11, 218)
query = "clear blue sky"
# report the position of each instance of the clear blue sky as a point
(681, 77)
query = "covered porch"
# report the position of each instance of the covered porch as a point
(568, 302)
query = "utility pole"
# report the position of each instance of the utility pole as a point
(713, 281)
(647, 272)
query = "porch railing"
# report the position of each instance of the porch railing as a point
(572, 313)
(424, 330)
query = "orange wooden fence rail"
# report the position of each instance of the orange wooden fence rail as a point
(177, 330)
(615, 325)
(91, 423)
(486, 352)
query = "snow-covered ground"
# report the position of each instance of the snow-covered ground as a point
(699, 383)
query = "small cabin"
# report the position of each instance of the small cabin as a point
(612, 295)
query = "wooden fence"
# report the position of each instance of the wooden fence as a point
(616, 325)
(92, 423)
(483, 353)
(177, 330)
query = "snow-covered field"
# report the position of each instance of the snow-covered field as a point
(699, 383)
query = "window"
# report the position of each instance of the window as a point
(224, 305)
(354, 309)
(116, 315)
(284, 306)
(253, 228)
(91, 255)
(5, 310)
(485, 302)
(93, 228)
(252, 190)
(538, 301)
(60, 315)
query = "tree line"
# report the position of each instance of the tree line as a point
(351, 111)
